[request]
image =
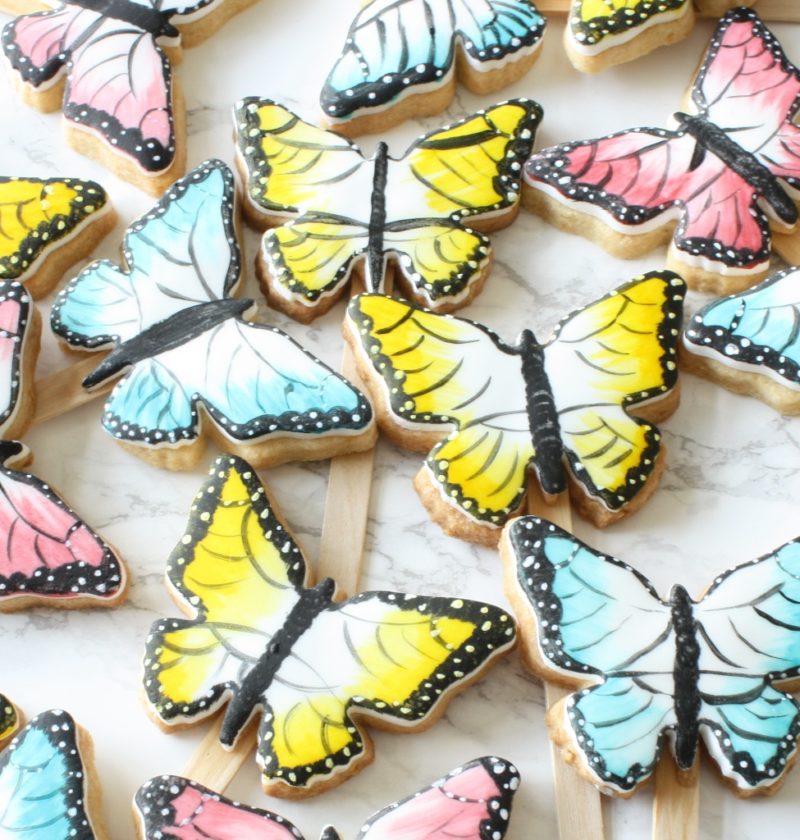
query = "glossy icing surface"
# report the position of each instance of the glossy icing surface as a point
(692, 669)
(168, 315)
(343, 209)
(472, 802)
(394, 48)
(514, 407)
(597, 25)
(37, 215)
(46, 551)
(43, 783)
(261, 640)
(756, 330)
(724, 182)
(9, 720)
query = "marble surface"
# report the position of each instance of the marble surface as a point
(730, 491)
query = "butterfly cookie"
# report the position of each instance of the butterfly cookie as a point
(601, 33)
(46, 225)
(750, 342)
(108, 67)
(401, 59)
(195, 367)
(653, 674)
(334, 212)
(490, 412)
(314, 669)
(718, 184)
(20, 333)
(472, 802)
(48, 786)
(49, 555)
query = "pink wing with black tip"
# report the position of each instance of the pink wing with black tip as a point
(46, 551)
(472, 803)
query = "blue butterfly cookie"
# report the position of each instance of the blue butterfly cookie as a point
(195, 367)
(653, 674)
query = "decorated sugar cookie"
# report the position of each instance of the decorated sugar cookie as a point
(750, 342)
(46, 225)
(335, 212)
(9, 720)
(472, 803)
(653, 674)
(313, 669)
(20, 331)
(601, 33)
(491, 412)
(48, 788)
(195, 367)
(723, 179)
(48, 555)
(401, 59)
(107, 66)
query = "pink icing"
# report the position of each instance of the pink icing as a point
(9, 316)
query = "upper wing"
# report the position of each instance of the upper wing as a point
(446, 371)
(37, 214)
(45, 781)
(240, 570)
(253, 380)
(392, 47)
(183, 252)
(9, 720)
(47, 551)
(595, 616)
(604, 359)
(592, 21)
(759, 327)
(383, 655)
(470, 168)
(748, 87)
(119, 85)
(293, 167)
(14, 310)
(472, 803)
(174, 808)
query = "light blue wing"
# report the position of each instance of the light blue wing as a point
(594, 615)
(42, 783)
(182, 253)
(394, 45)
(253, 381)
(759, 328)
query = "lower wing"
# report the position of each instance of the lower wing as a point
(253, 380)
(14, 310)
(592, 21)
(390, 656)
(171, 806)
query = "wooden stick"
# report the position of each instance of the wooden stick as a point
(62, 391)
(676, 807)
(775, 10)
(578, 804)
(787, 245)
(212, 765)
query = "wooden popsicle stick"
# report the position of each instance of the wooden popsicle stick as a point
(676, 806)
(787, 245)
(60, 392)
(214, 766)
(579, 808)
(776, 10)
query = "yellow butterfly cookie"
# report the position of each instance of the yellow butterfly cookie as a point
(314, 669)
(492, 411)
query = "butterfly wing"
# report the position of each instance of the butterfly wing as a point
(35, 214)
(173, 808)
(44, 779)
(393, 47)
(381, 657)
(757, 330)
(604, 360)
(239, 571)
(183, 252)
(47, 553)
(596, 619)
(9, 720)
(252, 380)
(14, 312)
(749, 621)
(473, 802)
(457, 377)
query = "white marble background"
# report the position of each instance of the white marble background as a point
(730, 491)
